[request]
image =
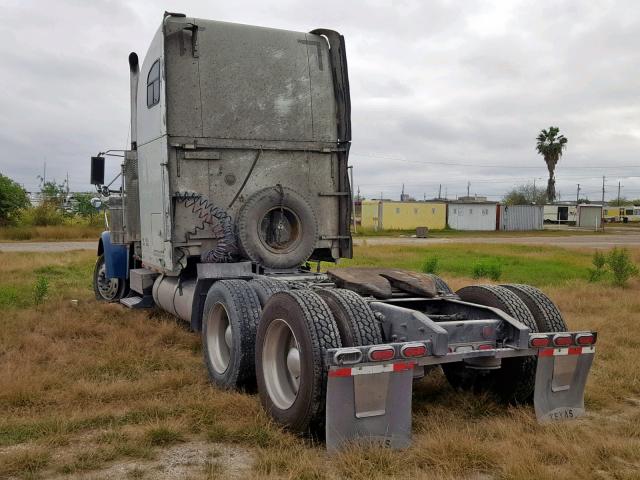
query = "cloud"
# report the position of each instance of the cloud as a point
(443, 92)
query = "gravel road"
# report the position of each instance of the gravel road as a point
(47, 246)
(575, 241)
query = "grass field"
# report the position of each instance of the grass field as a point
(91, 232)
(97, 391)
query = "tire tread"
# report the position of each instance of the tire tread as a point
(360, 320)
(245, 301)
(266, 287)
(546, 314)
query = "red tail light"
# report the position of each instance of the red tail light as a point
(380, 354)
(539, 342)
(562, 340)
(585, 339)
(487, 346)
(414, 350)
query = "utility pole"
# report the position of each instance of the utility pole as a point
(618, 192)
(468, 188)
(353, 201)
(440, 192)
(602, 214)
(534, 190)
(578, 195)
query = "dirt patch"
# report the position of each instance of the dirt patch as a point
(193, 459)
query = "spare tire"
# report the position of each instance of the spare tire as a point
(277, 228)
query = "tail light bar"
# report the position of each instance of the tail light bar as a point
(562, 339)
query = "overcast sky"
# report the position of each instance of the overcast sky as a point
(443, 92)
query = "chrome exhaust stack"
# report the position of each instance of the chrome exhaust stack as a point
(134, 74)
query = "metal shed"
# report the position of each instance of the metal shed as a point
(472, 215)
(521, 217)
(590, 216)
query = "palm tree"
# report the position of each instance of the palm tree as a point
(550, 145)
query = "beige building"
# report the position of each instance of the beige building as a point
(389, 215)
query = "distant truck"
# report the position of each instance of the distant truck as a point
(235, 183)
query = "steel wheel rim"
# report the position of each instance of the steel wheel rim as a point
(108, 287)
(281, 367)
(288, 224)
(219, 338)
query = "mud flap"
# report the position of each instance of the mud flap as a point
(561, 376)
(369, 405)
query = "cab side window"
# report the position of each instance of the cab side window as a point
(153, 85)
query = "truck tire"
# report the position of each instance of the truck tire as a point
(229, 321)
(355, 320)
(277, 228)
(514, 381)
(441, 286)
(295, 331)
(266, 287)
(107, 289)
(546, 314)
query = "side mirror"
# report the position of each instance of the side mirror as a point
(97, 170)
(96, 203)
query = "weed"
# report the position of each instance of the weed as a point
(27, 463)
(8, 296)
(162, 436)
(621, 266)
(212, 469)
(19, 233)
(40, 290)
(136, 473)
(431, 265)
(51, 232)
(600, 263)
(487, 270)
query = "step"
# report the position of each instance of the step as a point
(137, 302)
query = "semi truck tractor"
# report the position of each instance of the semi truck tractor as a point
(233, 191)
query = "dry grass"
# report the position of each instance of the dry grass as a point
(51, 233)
(85, 388)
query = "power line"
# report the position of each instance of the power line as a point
(608, 167)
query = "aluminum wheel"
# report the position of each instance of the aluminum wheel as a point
(219, 338)
(107, 287)
(281, 364)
